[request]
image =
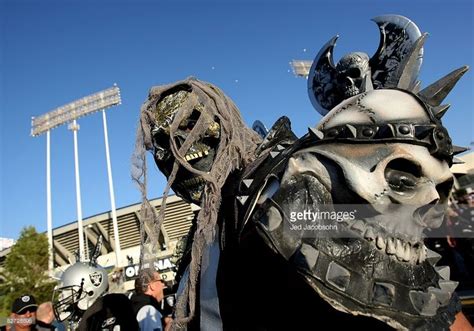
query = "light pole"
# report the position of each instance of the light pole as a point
(118, 252)
(74, 128)
(68, 114)
(48, 202)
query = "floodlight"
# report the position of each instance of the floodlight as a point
(76, 109)
(301, 67)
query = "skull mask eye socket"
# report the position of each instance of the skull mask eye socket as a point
(402, 175)
(354, 73)
(188, 123)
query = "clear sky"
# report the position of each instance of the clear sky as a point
(53, 52)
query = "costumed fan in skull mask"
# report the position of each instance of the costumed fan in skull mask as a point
(380, 147)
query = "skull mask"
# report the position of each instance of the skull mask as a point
(199, 154)
(406, 191)
(353, 74)
(404, 184)
(369, 153)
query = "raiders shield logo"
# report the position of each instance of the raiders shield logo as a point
(96, 278)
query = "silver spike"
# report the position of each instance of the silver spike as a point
(432, 257)
(457, 160)
(409, 63)
(242, 199)
(274, 154)
(439, 111)
(415, 88)
(459, 149)
(443, 271)
(448, 285)
(280, 147)
(248, 182)
(352, 129)
(442, 296)
(316, 133)
(436, 92)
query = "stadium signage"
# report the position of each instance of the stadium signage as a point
(165, 264)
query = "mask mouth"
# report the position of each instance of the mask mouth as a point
(187, 184)
(396, 246)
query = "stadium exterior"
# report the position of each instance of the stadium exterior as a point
(178, 217)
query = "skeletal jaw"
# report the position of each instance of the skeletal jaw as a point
(188, 183)
(193, 156)
(193, 186)
(391, 244)
(403, 251)
(350, 91)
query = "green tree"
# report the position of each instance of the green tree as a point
(25, 270)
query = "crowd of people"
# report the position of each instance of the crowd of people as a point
(141, 310)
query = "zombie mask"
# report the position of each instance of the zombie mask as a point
(196, 135)
(199, 154)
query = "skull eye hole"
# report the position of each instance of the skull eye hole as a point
(354, 73)
(189, 123)
(402, 175)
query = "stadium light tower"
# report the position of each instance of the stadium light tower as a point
(68, 114)
(301, 67)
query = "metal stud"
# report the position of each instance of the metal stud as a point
(384, 293)
(367, 132)
(404, 129)
(338, 276)
(426, 304)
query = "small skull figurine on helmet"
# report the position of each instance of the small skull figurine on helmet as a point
(353, 74)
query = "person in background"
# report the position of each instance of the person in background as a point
(45, 319)
(146, 300)
(23, 314)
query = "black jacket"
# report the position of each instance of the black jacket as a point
(107, 312)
